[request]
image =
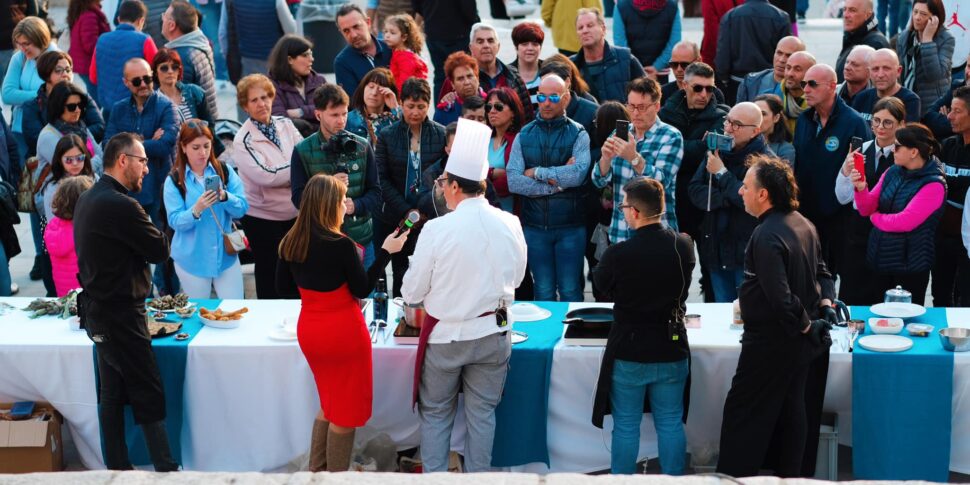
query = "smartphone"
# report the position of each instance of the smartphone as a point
(22, 410)
(860, 164)
(623, 129)
(855, 143)
(717, 141)
(213, 183)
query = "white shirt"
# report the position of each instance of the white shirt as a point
(844, 191)
(466, 263)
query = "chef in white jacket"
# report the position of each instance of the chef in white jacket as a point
(465, 269)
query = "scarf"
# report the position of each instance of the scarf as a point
(79, 128)
(268, 130)
(910, 59)
(792, 107)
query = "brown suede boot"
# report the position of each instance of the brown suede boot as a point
(339, 448)
(318, 445)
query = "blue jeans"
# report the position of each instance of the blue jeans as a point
(664, 382)
(898, 15)
(726, 283)
(5, 280)
(556, 261)
(369, 255)
(801, 6)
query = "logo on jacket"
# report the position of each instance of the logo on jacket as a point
(643, 5)
(831, 143)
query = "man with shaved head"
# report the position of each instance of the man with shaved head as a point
(726, 229)
(884, 70)
(769, 80)
(684, 54)
(855, 73)
(746, 42)
(548, 164)
(860, 28)
(792, 95)
(151, 115)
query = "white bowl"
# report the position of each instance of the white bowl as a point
(886, 325)
(220, 324)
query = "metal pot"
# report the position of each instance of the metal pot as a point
(414, 314)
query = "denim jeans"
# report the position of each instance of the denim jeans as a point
(369, 255)
(664, 382)
(801, 6)
(893, 15)
(726, 283)
(556, 261)
(5, 280)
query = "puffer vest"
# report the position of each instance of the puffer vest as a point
(647, 35)
(549, 143)
(258, 27)
(317, 158)
(607, 79)
(906, 252)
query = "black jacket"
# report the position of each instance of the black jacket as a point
(115, 242)
(393, 145)
(747, 38)
(447, 19)
(671, 88)
(785, 278)
(656, 262)
(868, 34)
(432, 208)
(692, 124)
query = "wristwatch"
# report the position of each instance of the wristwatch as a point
(637, 161)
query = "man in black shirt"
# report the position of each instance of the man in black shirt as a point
(951, 272)
(884, 72)
(115, 242)
(786, 300)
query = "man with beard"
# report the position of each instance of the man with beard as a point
(607, 69)
(363, 51)
(792, 94)
(115, 241)
(770, 80)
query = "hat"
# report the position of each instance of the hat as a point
(469, 153)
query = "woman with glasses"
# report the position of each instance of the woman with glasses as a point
(905, 207)
(506, 117)
(32, 38)
(189, 99)
(925, 51)
(65, 106)
(773, 127)
(291, 70)
(201, 216)
(262, 151)
(374, 105)
(54, 67)
(858, 287)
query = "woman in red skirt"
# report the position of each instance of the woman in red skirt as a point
(326, 267)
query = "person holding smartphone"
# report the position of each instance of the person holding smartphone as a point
(202, 197)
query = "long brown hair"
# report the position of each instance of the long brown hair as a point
(191, 130)
(578, 83)
(76, 7)
(319, 212)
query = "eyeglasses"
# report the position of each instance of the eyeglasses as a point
(137, 81)
(679, 65)
(628, 206)
(699, 87)
(63, 70)
(811, 82)
(885, 124)
(75, 160)
(638, 107)
(169, 67)
(196, 124)
(141, 159)
(737, 125)
(498, 107)
(72, 107)
(440, 181)
(24, 45)
(553, 98)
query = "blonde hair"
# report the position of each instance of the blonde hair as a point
(35, 30)
(320, 211)
(68, 191)
(413, 38)
(253, 81)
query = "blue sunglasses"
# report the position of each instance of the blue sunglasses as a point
(552, 97)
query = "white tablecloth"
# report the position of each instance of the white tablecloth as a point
(250, 401)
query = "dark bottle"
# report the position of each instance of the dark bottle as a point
(380, 300)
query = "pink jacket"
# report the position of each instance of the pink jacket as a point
(926, 201)
(84, 36)
(59, 237)
(265, 168)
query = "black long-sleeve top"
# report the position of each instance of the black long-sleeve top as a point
(329, 264)
(115, 240)
(785, 278)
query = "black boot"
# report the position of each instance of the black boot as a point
(112, 417)
(36, 273)
(156, 437)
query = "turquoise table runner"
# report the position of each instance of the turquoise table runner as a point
(171, 355)
(521, 417)
(901, 407)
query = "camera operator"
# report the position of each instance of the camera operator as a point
(348, 157)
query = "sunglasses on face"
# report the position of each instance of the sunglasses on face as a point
(553, 98)
(75, 160)
(196, 124)
(678, 65)
(167, 68)
(72, 107)
(813, 83)
(698, 88)
(498, 107)
(138, 81)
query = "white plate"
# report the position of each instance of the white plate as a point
(528, 312)
(898, 310)
(220, 324)
(282, 335)
(155, 310)
(885, 343)
(519, 337)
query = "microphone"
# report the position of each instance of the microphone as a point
(412, 218)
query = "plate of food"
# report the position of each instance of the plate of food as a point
(220, 318)
(169, 303)
(162, 329)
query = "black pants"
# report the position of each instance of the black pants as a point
(439, 51)
(765, 410)
(915, 283)
(831, 235)
(264, 240)
(950, 273)
(857, 285)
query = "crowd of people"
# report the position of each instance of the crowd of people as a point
(591, 155)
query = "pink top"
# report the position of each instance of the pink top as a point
(59, 237)
(924, 203)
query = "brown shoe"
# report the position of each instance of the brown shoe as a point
(318, 446)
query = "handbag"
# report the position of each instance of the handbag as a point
(29, 185)
(233, 242)
(8, 204)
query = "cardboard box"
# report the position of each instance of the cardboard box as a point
(32, 446)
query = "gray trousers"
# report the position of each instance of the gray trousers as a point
(479, 366)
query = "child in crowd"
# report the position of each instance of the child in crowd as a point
(59, 234)
(403, 36)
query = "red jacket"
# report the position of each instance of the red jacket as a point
(406, 64)
(501, 182)
(84, 36)
(713, 10)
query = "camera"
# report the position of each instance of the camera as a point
(342, 143)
